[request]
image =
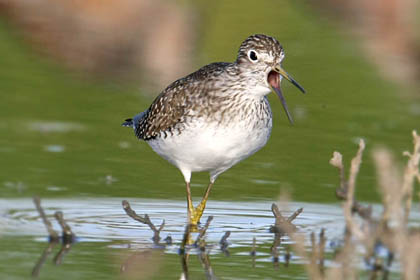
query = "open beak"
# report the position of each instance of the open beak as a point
(274, 81)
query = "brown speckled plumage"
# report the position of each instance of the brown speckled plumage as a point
(175, 104)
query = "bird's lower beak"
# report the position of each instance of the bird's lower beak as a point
(274, 81)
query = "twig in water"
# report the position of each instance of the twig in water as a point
(43, 258)
(67, 238)
(287, 256)
(168, 240)
(203, 231)
(321, 249)
(317, 257)
(314, 249)
(145, 220)
(205, 261)
(294, 215)
(53, 235)
(224, 244)
(203, 256)
(68, 235)
(281, 224)
(274, 250)
(65, 248)
(253, 252)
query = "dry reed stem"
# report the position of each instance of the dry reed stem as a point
(410, 174)
(348, 204)
(337, 161)
(344, 258)
(389, 183)
(347, 189)
(397, 192)
(391, 230)
(411, 257)
(342, 192)
(299, 247)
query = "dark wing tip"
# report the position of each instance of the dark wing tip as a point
(128, 122)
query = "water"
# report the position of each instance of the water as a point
(105, 232)
(102, 227)
(105, 220)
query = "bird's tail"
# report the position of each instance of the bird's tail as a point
(135, 121)
(128, 123)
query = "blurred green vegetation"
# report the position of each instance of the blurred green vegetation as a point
(346, 99)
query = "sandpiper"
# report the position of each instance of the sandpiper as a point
(217, 116)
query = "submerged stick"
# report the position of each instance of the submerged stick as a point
(253, 252)
(283, 225)
(65, 248)
(43, 258)
(203, 231)
(294, 215)
(224, 244)
(53, 235)
(321, 249)
(144, 220)
(68, 235)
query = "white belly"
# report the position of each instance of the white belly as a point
(213, 148)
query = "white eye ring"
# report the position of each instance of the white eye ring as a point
(253, 56)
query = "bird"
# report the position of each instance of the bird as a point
(217, 116)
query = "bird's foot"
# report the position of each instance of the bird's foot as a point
(196, 213)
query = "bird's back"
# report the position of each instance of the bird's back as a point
(179, 101)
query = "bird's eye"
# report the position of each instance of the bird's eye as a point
(252, 56)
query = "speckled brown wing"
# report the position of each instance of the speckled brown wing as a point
(168, 111)
(162, 116)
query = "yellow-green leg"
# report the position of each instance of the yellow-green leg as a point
(194, 214)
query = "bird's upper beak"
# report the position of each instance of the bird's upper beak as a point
(274, 81)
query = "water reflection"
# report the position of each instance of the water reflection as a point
(236, 233)
(202, 249)
(66, 239)
(186, 246)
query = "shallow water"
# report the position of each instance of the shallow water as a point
(104, 219)
(104, 232)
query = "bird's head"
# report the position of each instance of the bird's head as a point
(259, 60)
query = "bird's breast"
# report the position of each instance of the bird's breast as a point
(205, 144)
